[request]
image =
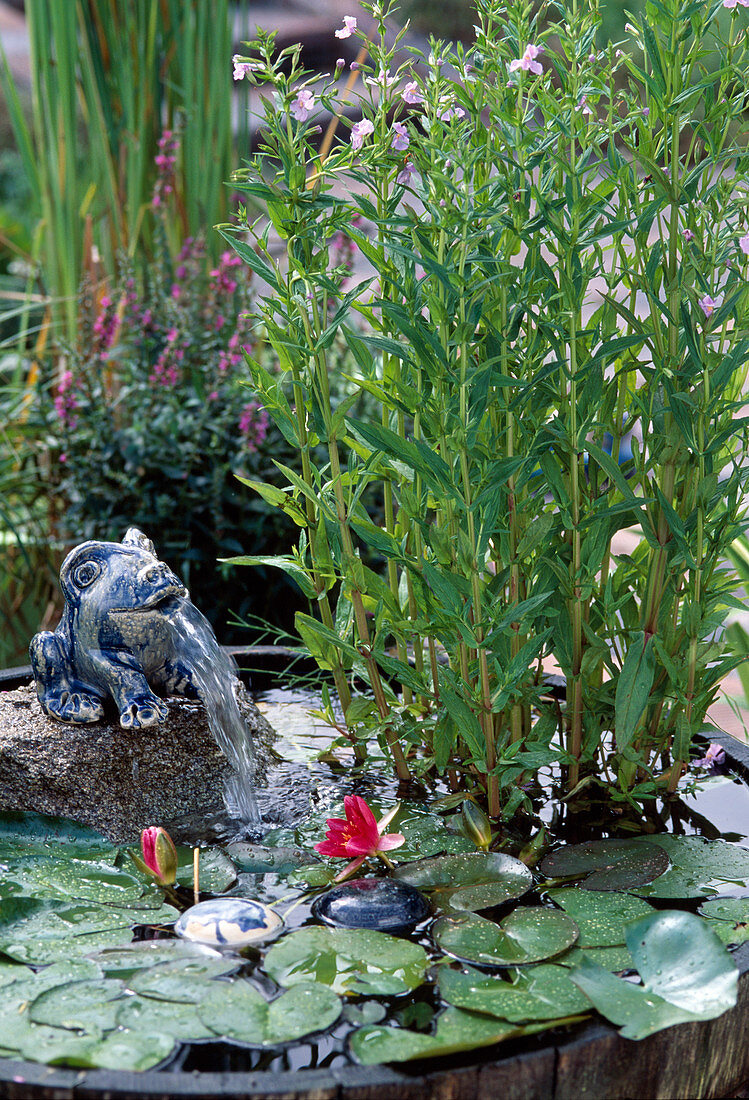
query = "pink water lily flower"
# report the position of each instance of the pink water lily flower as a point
(348, 28)
(159, 854)
(359, 835)
(528, 61)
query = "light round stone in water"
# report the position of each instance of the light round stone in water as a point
(229, 922)
(383, 904)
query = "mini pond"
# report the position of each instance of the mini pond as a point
(92, 975)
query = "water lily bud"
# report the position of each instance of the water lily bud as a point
(476, 825)
(159, 854)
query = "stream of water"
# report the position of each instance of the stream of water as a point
(214, 674)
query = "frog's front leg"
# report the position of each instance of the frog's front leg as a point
(61, 695)
(127, 684)
(176, 678)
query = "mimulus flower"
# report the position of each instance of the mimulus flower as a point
(714, 755)
(411, 94)
(359, 131)
(401, 140)
(359, 835)
(687, 234)
(381, 79)
(242, 68)
(404, 176)
(528, 61)
(451, 112)
(302, 105)
(348, 28)
(744, 244)
(708, 305)
(733, 3)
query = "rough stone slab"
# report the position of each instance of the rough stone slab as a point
(117, 781)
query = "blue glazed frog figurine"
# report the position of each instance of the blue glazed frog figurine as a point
(114, 638)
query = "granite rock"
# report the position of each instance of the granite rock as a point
(117, 781)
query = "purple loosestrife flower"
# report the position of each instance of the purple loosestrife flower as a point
(165, 160)
(401, 140)
(348, 28)
(411, 94)
(66, 403)
(528, 62)
(302, 105)
(253, 425)
(708, 305)
(359, 131)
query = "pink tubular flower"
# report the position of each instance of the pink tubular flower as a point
(401, 140)
(411, 94)
(733, 3)
(302, 105)
(744, 244)
(360, 835)
(242, 68)
(159, 854)
(450, 112)
(404, 176)
(714, 755)
(348, 28)
(688, 235)
(528, 61)
(359, 131)
(708, 305)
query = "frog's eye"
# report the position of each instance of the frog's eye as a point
(86, 573)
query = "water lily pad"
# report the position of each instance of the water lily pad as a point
(456, 1030)
(527, 935)
(84, 1006)
(261, 860)
(728, 918)
(79, 879)
(699, 868)
(355, 960)
(239, 1012)
(616, 959)
(31, 929)
(313, 875)
(124, 961)
(542, 992)
(41, 952)
(216, 871)
(186, 982)
(144, 1014)
(618, 865)
(601, 917)
(122, 1050)
(470, 881)
(24, 834)
(686, 971)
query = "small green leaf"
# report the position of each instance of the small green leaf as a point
(633, 688)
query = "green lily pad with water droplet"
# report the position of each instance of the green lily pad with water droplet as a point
(216, 872)
(699, 868)
(615, 959)
(542, 992)
(145, 1014)
(457, 1030)
(23, 834)
(349, 960)
(128, 959)
(527, 935)
(239, 1012)
(41, 952)
(728, 918)
(120, 1050)
(601, 917)
(180, 981)
(313, 875)
(470, 881)
(80, 1006)
(686, 971)
(618, 865)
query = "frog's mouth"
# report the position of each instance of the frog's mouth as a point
(160, 599)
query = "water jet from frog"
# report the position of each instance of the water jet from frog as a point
(128, 627)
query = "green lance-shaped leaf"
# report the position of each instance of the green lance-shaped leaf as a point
(686, 971)
(633, 688)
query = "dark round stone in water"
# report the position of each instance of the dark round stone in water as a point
(382, 904)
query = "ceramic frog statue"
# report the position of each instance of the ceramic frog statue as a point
(113, 640)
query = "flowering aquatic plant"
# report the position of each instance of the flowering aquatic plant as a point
(360, 835)
(555, 268)
(159, 856)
